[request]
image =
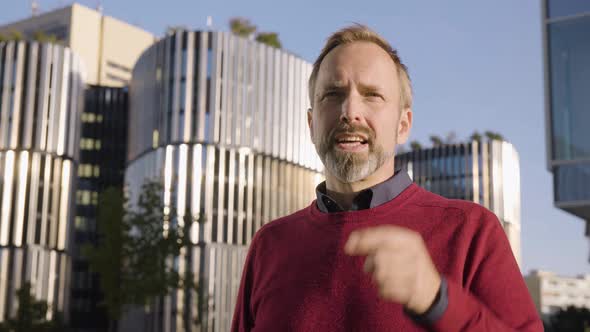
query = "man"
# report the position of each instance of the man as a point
(375, 252)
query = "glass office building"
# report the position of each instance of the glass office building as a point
(485, 172)
(221, 122)
(41, 100)
(566, 30)
(103, 147)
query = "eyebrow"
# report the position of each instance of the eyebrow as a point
(338, 86)
(368, 88)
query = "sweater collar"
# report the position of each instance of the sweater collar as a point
(368, 198)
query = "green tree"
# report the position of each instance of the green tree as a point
(493, 136)
(31, 315)
(106, 258)
(241, 27)
(38, 36)
(42, 37)
(475, 136)
(135, 249)
(415, 145)
(155, 239)
(436, 140)
(571, 319)
(16, 35)
(269, 38)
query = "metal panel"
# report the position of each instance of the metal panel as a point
(43, 103)
(4, 257)
(6, 94)
(21, 197)
(53, 107)
(55, 203)
(231, 184)
(62, 105)
(276, 103)
(209, 199)
(268, 107)
(220, 199)
(17, 95)
(201, 81)
(196, 192)
(188, 86)
(175, 93)
(5, 214)
(215, 94)
(33, 198)
(296, 109)
(226, 90)
(239, 87)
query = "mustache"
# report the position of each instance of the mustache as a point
(345, 128)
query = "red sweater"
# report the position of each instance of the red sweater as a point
(298, 278)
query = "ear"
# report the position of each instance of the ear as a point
(404, 126)
(310, 123)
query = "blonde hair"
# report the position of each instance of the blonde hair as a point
(356, 33)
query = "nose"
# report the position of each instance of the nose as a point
(351, 110)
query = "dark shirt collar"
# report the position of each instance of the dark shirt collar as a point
(368, 198)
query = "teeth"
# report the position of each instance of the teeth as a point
(351, 139)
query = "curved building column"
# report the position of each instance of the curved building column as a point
(41, 99)
(221, 121)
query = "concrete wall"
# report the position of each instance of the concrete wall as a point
(122, 44)
(85, 39)
(108, 47)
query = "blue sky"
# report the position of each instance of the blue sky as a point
(474, 65)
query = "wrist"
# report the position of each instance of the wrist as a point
(425, 297)
(436, 310)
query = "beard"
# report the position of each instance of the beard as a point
(349, 167)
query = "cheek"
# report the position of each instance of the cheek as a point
(386, 133)
(323, 122)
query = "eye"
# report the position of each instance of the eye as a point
(374, 96)
(332, 94)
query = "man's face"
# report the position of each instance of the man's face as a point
(355, 121)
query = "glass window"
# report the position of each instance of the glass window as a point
(557, 8)
(83, 197)
(80, 223)
(572, 182)
(569, 56)
(94, 196)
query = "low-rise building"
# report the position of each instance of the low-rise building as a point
(550, 291)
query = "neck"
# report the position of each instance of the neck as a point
(345, 192)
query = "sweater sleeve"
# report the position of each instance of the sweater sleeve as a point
(243, 319)
(492, 295)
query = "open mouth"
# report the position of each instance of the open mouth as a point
(351, 142)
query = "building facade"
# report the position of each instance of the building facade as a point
(566, 26)
(41, 100)
(552, 292)
(108, 47)
(485, 172)
(103, 147)
(221, 121)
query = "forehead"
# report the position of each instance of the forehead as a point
(362, 62)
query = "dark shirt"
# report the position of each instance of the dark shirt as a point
(371, 197)
(368, 198)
